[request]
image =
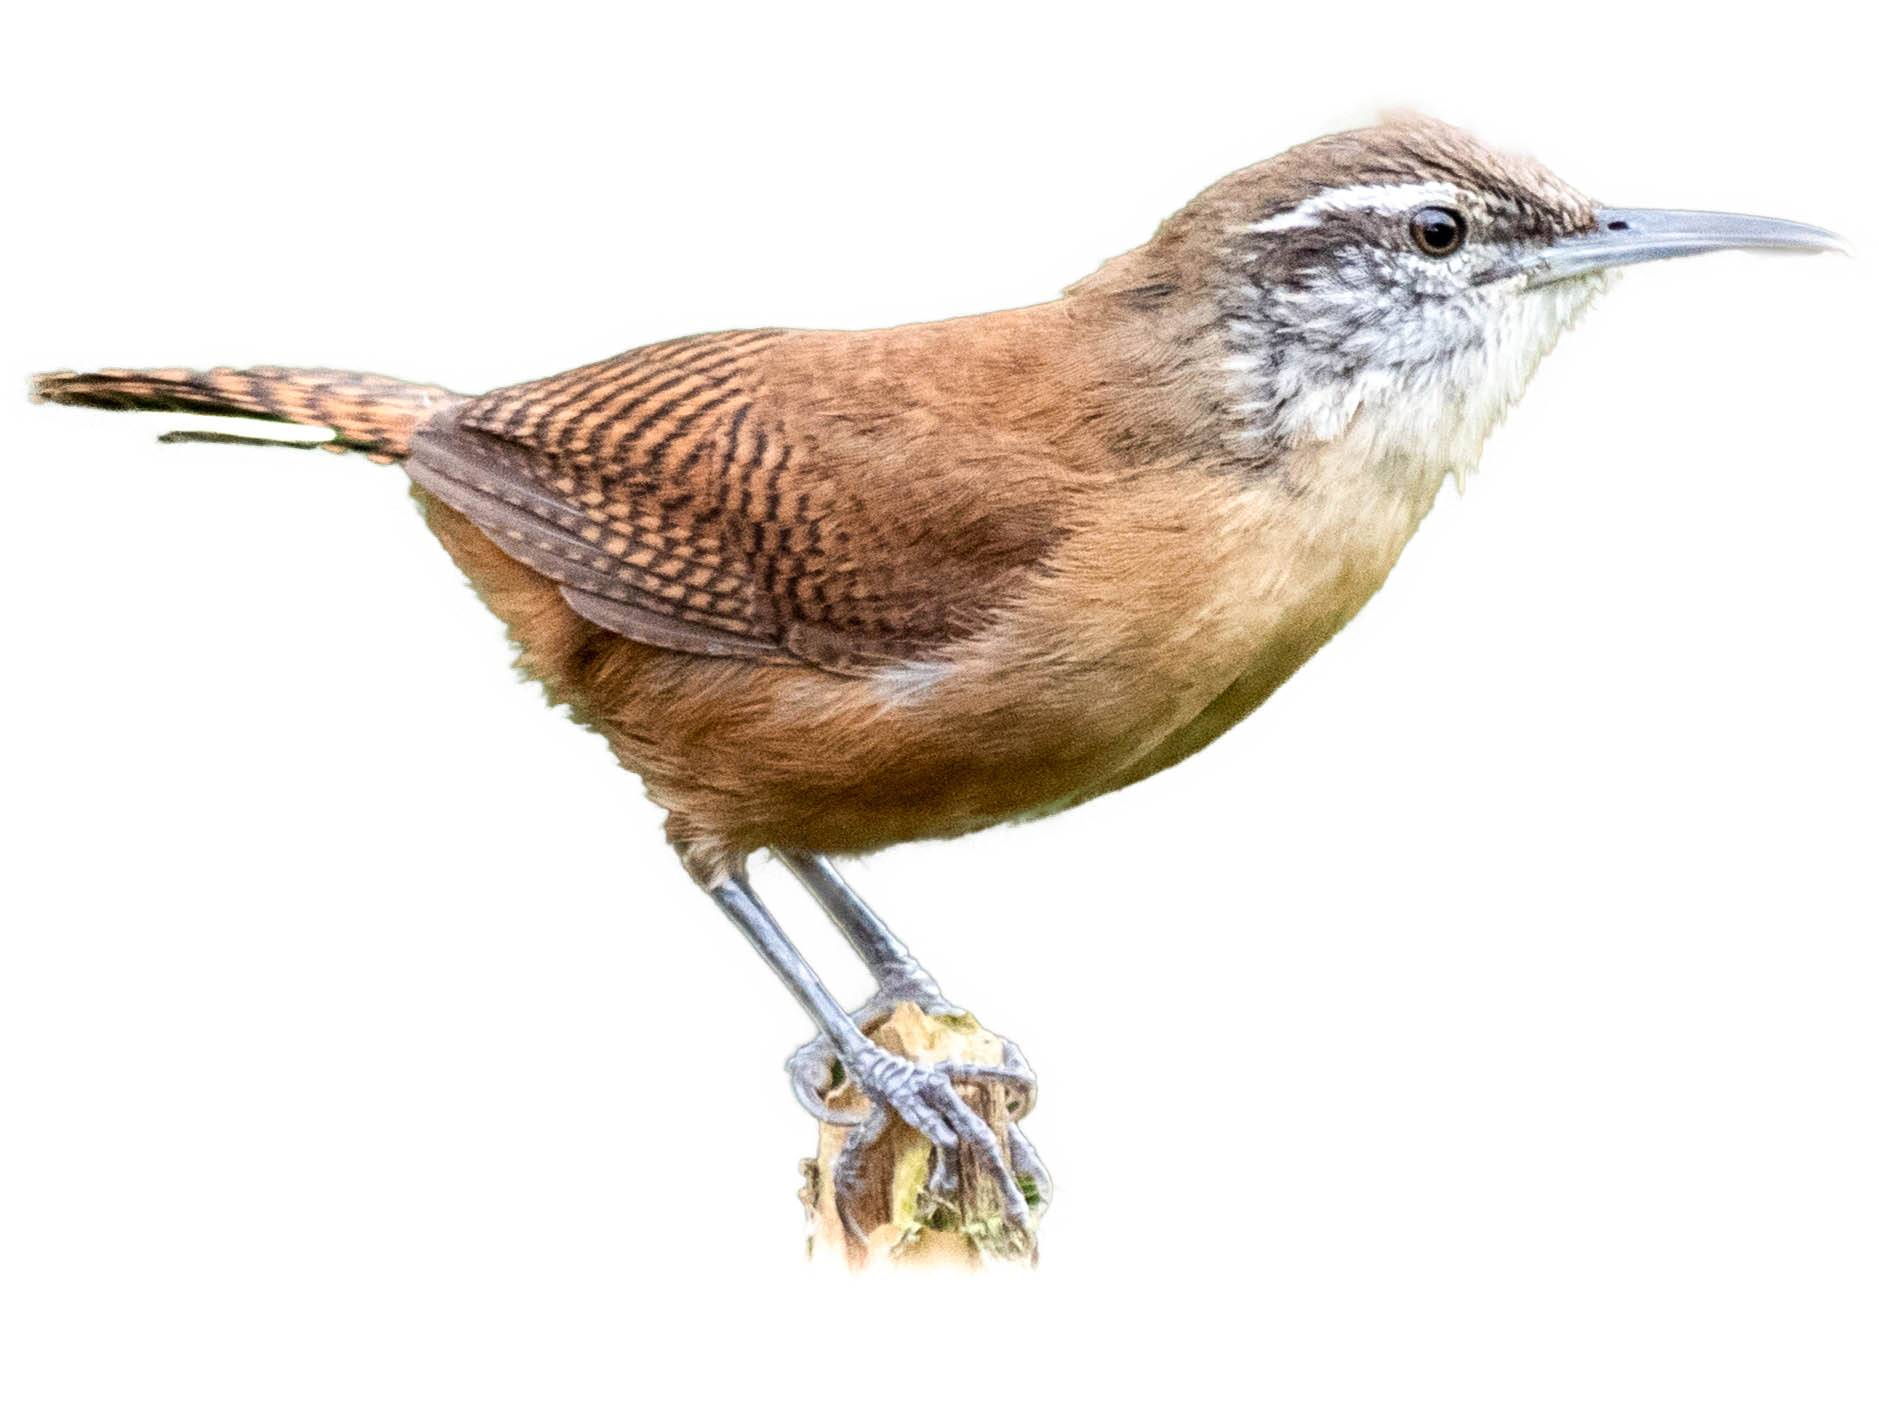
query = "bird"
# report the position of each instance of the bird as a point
(825, 592)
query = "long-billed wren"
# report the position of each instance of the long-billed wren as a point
(829, 591)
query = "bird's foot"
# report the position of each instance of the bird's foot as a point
(980, 1174)
(815, 1068)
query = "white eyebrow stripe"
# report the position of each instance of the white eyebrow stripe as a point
(1386, 198)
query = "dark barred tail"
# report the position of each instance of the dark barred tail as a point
(371, 414)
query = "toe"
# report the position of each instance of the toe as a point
(814, 1073)
(943, 1178)
(1026, 1165)
(848, 1167)
(1013, 1077)
(978, 1136)
(930, 1123)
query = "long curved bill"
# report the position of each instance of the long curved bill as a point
(1637, 236)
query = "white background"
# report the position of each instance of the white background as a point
(1490, 1021)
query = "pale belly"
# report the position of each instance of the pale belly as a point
(1293, 630)
(1342, 546)
(1270, 668)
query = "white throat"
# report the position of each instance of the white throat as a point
(1418, 395)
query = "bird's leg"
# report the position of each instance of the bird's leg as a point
(898, 976)
(920, 1094)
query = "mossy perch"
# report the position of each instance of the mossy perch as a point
(896, 1216)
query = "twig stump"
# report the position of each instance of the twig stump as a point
(898, 1219)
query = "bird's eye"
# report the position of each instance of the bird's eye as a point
(1437, 230)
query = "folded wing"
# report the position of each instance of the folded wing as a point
(690, 497)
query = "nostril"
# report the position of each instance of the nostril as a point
(1619, 225)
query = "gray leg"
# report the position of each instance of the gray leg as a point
(897, 974)
(898, 977)
(923, 1096)
(753, 917)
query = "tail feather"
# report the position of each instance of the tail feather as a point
(371, 414)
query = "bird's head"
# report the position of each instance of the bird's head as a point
(1400, 283)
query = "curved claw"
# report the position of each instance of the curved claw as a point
(1014, 1058)
(809, 1088)
(810, 1084)
(848, 1169)
(942, 1179)
(1026, 1164)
